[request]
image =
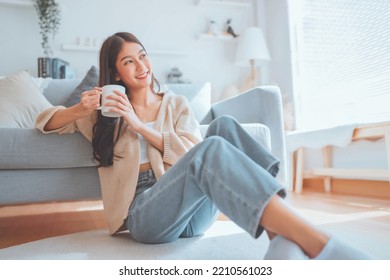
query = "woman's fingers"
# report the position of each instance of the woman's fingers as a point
(91, 99)
(118, 98)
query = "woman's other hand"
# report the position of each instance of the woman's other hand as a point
(120, 103)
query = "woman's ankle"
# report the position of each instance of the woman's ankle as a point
(316, 245)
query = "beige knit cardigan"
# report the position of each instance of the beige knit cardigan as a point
(118, 182)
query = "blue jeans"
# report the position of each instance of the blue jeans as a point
(228, 171)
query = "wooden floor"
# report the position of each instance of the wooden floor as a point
(24, 223)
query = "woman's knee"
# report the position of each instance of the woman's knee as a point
(221, 124)
(210, 149)
(224, 120)
(212, 141)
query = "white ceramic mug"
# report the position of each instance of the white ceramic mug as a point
(107, 91)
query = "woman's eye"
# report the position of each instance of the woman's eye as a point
(143, 55)
(128, 61)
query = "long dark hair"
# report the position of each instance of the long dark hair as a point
(103, 141)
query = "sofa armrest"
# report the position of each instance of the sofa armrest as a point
(259, 105)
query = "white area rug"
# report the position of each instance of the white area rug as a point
(224, 240)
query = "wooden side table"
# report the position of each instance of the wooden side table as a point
(327, 172)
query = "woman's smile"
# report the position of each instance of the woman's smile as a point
(142, 76)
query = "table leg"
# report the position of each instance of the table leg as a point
(387, 143)
(327, 162)
(299, 171)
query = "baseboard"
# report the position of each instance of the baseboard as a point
(376, 189)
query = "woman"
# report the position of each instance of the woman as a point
(161, 182)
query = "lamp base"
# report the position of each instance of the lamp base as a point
(250, 81)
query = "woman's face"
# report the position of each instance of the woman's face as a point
(133, 66)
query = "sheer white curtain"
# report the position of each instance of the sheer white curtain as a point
(341, 58)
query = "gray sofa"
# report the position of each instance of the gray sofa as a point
(41, 168)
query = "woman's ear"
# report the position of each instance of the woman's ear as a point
(117, 78)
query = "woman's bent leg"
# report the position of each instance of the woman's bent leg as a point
(213, 171)
(229, 129)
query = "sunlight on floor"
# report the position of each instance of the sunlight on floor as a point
(95, 207)
(52, 207)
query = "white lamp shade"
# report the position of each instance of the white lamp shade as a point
(251, 45)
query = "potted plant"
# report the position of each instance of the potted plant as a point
(49, 15)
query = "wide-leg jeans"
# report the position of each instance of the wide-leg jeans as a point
(228, 171)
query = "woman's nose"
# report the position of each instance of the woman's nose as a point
(140, 65)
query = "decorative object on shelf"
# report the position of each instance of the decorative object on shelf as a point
(229, 28)
(55, 68)
(251, 50)
(49, 15)
(174, 77)
(224, 3)
(213, 28)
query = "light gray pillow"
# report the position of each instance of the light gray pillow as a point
(90, 81)
(199, 96)
(21, 101)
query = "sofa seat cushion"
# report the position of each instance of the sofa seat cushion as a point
(30, 149)
(257, 130)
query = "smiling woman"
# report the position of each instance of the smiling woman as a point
(124, 61)
(174, 186)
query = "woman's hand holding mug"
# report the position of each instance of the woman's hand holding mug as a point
(90, 100)
(115, 103)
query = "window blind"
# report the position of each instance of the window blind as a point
(342, 61)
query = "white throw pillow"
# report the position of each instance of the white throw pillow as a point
(198, 95)
(21, 101)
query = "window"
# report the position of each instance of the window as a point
(341, 60)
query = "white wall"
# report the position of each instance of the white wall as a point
(278, 38)
(161, 25)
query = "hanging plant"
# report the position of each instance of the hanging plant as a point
(49, 15)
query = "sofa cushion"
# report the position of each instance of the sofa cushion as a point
(21, 101)
(198, 95)
(30, 149)
(90, 81)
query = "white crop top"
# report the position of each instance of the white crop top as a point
(143, 151)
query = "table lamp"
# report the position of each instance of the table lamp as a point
(251, 50)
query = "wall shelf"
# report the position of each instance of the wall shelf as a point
(220, 37)
(168, 52)
(16, 3)
(79, 48)
(223, 3)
